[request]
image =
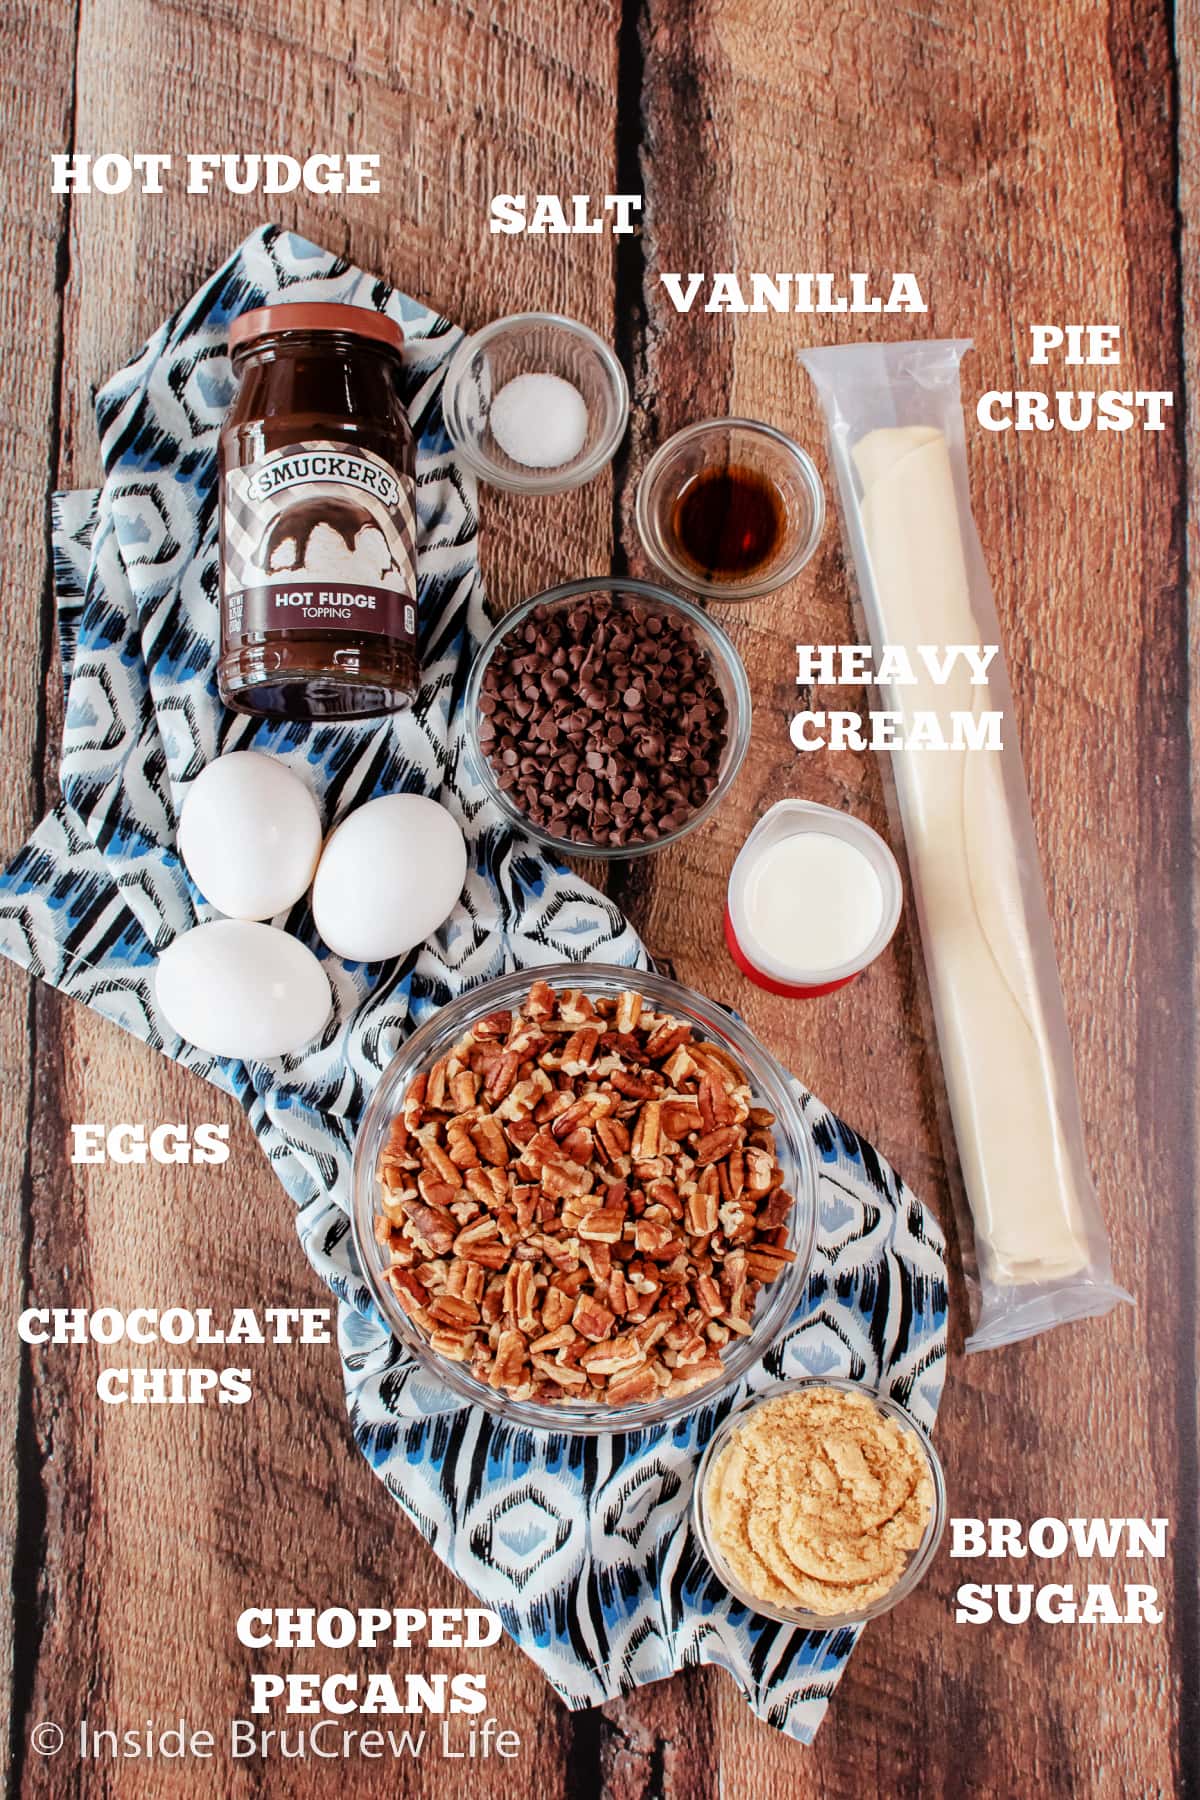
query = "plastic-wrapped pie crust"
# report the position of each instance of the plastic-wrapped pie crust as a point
(895, 424)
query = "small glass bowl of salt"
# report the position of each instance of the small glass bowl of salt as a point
(536, 403)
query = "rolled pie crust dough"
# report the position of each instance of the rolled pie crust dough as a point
(998, 1062)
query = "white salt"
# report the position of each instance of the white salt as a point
(539, 420)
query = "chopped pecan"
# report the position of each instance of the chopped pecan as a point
(496, 1025)
(680, 1116)
(762, 1171)
(636, 1087)
(466, 1280)
(413, 1110)
(603, 1225)
(702, 1216)
(774, 1211)
(628, 1011)
(435, 1092)
(732, 1174)
(431, 1228)
(584, 1111)
(647, 1133)
(579, 1145)
(653, 1237)
(696, 1375)
(449, 1309)
(765, 1265)
(460, 1145)
(408, 1289)
(553, 1340)
(635, 1384)
(597, 1260)
(490, 1140)
(614, 1355)
(613, 1138)
(581, 1198)
(540, 1004)
(434, 1191)
(579, 1051)
(511, 1354)
(501, 1077)
(566, 1179)
(680, 1066)
(556, 1308)
(649, 1334)
(591, 1320)
(464, 1086)
(668, 1035)
(563, 1373)
(715, 1144)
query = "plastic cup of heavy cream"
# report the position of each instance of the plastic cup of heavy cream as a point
(814, 896)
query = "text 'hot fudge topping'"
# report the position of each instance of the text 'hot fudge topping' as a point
(318, 517)
(604, 721)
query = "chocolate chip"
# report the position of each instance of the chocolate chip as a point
(605, 722)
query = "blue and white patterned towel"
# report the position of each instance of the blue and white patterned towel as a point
(582, 1545)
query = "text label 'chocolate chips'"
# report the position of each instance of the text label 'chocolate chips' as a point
(604, 721)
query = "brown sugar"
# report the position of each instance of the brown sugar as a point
(818, 1500)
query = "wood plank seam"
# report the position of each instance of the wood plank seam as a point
(29, 1535)
(1181, 91)
(30, 1527)
(1185, 1618)
(629, 260)
(614, 1753)
(593, 1737)
(626, 883)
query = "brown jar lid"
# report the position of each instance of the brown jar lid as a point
(315, 315)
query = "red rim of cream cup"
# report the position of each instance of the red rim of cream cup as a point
(834, 824)
(788, 990)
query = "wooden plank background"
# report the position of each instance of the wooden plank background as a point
(1029, 162)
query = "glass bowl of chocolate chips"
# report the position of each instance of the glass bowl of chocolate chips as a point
(607, 718)
(585, 1199)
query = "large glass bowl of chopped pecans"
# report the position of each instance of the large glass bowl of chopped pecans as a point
(585, 1198)
(606, 717)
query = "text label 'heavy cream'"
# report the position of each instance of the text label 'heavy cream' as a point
(913, 728)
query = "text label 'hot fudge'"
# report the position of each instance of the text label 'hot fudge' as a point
(259, 172)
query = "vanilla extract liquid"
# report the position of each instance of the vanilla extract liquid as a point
(728, 522)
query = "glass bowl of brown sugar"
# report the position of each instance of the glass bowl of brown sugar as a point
(607, 717)
(730, 508)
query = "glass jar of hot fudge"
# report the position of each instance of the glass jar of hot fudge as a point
(318, 517)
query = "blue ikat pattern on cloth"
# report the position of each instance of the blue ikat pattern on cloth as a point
(583, 1546)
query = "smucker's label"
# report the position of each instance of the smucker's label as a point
(318, 535)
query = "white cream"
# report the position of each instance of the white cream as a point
(813, 902)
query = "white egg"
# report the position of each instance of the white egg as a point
(250, 835)
(388, 877)
(235, 988)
